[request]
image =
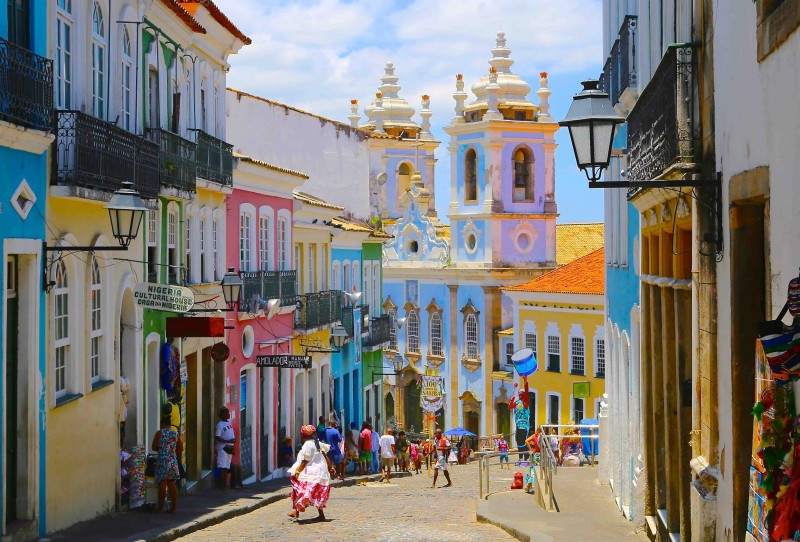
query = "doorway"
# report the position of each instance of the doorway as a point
(13, 444)
(129, 370)
(413, 409)
(388, 407)
(192, 419)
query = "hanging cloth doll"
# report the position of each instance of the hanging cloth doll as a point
(170, 367)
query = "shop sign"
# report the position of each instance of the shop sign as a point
(195, 326)
(580, 390)
(162, 297)
(285, 361)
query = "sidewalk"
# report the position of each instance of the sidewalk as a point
(587, 512)
(196, 511)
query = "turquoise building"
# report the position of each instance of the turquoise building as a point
(26, 128)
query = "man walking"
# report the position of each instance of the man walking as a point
(351, 440)
(402, 451)
(376, 446)
(334, 440)
(388, 452)
(365, 448)
(441, 448)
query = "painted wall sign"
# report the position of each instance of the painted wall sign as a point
(195, 326)
(162, 297)
(285, 361)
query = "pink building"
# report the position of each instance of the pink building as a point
(259, 246)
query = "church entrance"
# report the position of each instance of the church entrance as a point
(413, 410)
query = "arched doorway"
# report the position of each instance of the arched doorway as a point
(471, 412)
(129, 369)
(388, 408)
(413, 409)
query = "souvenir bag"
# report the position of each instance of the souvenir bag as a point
(781, 345)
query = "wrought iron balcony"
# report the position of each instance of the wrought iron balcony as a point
(177, 159)
(348, 320)
(95, 154)
(378, 330)
(268, 285)
(619, 71)
(26, 87)
(319, 309)
(661, 130)
(214, 159)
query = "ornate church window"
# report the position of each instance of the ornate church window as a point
(412, 333)
(471, 335)
(523, 175)
(435, 333)
(470, 176)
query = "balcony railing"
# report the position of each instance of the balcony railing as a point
(214, 159)
(348, 320)
(268, 285)
(177, 159)
(619, 71)
(95, 154)
(319, 309)
(378, 330)
(661, 131)
(26, 87)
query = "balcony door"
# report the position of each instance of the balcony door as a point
(19, 22)
(153, 101)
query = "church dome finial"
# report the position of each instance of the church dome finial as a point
(396, 112)
(512, 90)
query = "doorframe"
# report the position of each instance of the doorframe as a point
(29, 286)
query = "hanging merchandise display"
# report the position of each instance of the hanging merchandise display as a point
(170, 367)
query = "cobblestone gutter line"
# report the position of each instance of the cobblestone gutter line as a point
(239, 508)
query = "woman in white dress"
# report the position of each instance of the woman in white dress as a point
(311, 474)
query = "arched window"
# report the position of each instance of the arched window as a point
(214, 247)
(523, 175)
(436, 334)
(63, 60)
(188, 217)
(98, 62)
(392, 329)
(201, 249)
(61, 338)
(152, 245)
(96, 316)
(403, 180)
(173, 260)
(126, 80)
(471, 176)
(245, 257)
(412, 333)
(471, 336)
(264, 240)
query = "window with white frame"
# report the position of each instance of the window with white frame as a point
(437, 347)
(337, 276)
(61, 335)
(530, 342)
(357, 277)
(63, 60)
(201, 248)
(346, 281)
(152, 245)
(188, 244)
(126, 81)
(578, 409)
(553, 408)
(376, 289)
(577, 365)
(554, 353)
(96, 318)
(298, 265)
(173, 261)
(264, 239)
(366, 287)
(283, 239)
(392, 312)
(245, 258)
(600, 358)
(312, 267)
(98, 62)
(323, 284)
(509, 353)
(412, 332)
(214, 247)
(471, 336)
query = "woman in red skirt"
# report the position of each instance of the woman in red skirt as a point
(311, 474)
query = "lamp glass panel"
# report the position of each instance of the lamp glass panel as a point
(580, 140)
(603, 133)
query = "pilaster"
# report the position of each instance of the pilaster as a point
(453, 366)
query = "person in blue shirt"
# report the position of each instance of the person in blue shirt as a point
(334, 438)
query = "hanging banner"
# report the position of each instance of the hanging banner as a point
(431, 396)
(160, 297)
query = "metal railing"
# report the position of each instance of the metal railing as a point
(269, 285)
(95, 154)
(661, 130)
(214, 158)
(348, 320)
(26, 87)
(619, 71)
(319, 309)
(378, 330)
(177, 159)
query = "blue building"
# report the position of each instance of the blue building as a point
(623, 418)
(26, 127)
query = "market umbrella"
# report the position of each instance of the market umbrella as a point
(459, 432)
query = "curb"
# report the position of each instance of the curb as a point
(215, 518)
(484, 516)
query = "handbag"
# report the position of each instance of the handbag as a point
(228, 449)
(781, 345)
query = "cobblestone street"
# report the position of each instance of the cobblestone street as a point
(405, 509)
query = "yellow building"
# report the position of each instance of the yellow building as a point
(559, 316)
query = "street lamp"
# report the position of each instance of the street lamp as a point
(339, 336)
(591, 120)
(338, 339)
(231, 287)
(397, 363)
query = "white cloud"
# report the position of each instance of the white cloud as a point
(319, 54)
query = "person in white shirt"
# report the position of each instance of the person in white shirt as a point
(225, 439)
(387, 451)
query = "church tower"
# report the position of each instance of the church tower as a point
(401, 150)
(502, 151)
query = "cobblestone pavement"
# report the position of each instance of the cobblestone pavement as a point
(407, 509)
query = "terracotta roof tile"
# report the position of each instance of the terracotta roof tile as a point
(352, 225)
(313, 200)
(576, 240)
(184, 15)
(191, 5)
(586, 275)
(267, 165)
(506, 332)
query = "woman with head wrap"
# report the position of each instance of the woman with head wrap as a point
(311, 474)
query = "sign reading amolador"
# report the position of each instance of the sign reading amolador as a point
(162, 297)
(285, 361)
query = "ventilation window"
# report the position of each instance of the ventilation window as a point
(413, 247)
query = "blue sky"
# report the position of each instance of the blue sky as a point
(319, 54)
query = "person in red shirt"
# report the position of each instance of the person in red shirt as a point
(365, 447)
(441, 449)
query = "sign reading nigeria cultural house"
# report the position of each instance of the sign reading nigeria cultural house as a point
(161, 297)
(285, 361)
